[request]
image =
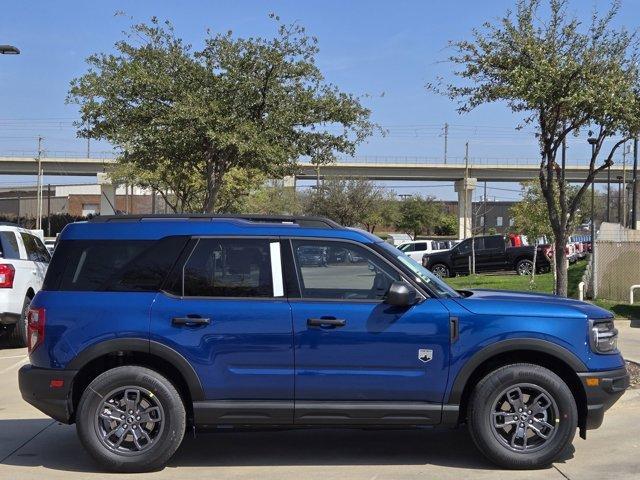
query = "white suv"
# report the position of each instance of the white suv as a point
(417, 248)
(23, 264)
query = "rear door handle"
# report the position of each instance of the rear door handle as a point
(190, 321)
(326, 322)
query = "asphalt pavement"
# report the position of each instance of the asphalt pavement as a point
(33, 446)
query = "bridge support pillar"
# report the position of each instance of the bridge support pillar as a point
(465, 188)
(107, 194)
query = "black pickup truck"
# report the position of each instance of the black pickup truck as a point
(493, 253)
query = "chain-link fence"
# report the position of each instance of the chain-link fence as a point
(617, 252)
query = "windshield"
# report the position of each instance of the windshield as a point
(422, 275)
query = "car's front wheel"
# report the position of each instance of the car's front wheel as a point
(131, 419)
(522, 416)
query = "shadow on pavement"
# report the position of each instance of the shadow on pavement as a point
(58, 448)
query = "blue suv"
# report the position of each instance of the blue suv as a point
(147, 326)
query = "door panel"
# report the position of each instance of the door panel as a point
(353, 347)
(245, 352)
(375, 355)
(222, 316)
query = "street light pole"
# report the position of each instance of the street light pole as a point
(608, 193)
(634, 195)
(592, 141)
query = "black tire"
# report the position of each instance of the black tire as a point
(524, 267)
(491, 441)
(440, 270)
(18, 333)
(169, 430)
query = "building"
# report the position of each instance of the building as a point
(487, 217)
(74, 200)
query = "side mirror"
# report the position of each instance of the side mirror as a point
(401, 294)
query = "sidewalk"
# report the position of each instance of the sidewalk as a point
(629, 339)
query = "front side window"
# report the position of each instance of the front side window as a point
(354, 273)
(464, 247)
(228, 268)
(407, 247)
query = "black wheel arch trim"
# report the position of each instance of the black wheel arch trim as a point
(144, 346)
(506, 346)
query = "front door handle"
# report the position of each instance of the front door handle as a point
(326, 322)
(190, 321)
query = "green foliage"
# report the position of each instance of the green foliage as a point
(383, 213)
(530, 215)
(418, 214)
(447, 225)
(562, 77)
(182, 119)
(348, 201)
(274, 199)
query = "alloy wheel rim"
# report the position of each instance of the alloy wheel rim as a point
(440, 271)
(525, 268)
(524, 418)
(129, 420)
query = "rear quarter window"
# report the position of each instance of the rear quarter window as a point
(112, 265)
(9, 246)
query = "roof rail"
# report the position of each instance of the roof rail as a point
(301, 220)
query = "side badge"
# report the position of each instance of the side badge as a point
(425, 355)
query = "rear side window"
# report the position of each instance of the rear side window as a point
(9, 246)
(112, 265)
(36, 251)
(227, 268)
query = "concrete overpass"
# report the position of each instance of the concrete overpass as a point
(414, 168)
(374, 168)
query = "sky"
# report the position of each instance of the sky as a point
(384, 50)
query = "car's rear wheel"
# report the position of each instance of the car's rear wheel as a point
(131, 419)
(18, 334)
(440, 270)
(524, 267)
(522, 416)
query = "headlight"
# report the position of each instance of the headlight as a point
(603, 336)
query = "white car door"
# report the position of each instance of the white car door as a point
(419, 249)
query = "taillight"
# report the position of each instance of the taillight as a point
(35, 327)
(7, 274)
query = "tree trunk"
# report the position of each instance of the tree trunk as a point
(533, 272)
(561, 268)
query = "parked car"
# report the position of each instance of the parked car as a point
(417, 248)
(310, 256)
(492, 253)
(23, 263)
(396, 239)
(144, 329)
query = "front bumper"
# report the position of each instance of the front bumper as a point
(48, 390)
(603, 389)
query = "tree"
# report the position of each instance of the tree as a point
(273, 199)
(384, 212)
(417, 214)
(447, 225)
(531, 217)
(182, 119)
(564, 79)
(348, 201)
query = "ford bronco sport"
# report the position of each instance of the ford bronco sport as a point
(148, 326)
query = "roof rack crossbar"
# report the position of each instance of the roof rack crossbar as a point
(301, 220)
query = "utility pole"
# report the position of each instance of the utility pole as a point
(634, 195)
(619, 178)
(39, 186)
(484, 211)
(49, 210)
(88, 141)
(564, 157)
(446, 140)
(608, 193)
